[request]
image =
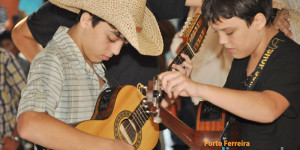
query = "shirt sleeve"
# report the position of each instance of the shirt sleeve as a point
(283, 77)
(45, 82)
(3, 59)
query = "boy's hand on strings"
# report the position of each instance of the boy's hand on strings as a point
(185, 67)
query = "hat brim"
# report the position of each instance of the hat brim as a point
(147, 42)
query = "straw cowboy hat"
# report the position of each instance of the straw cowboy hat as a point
(131, 17)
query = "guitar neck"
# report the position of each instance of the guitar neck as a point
(178, 127)
(192, 40)
(192, 137)
(178, 59)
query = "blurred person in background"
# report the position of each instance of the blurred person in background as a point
(12, 81)
(7, 43)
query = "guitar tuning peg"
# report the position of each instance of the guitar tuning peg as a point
(182, 31)
(145, 106)
(156, 116)
(157, 119)
(180, 34)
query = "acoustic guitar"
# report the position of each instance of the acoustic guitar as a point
(122, 113)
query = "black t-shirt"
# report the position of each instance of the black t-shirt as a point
(280, 74)
(129, 67)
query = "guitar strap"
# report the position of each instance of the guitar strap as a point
(111, 81)
(249, 82)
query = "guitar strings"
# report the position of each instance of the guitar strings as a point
(188, 50)
(138, 117)
(194, 41)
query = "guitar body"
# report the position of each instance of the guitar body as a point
(211, 123)
(210, 118)
(121, 119)
(207, 133)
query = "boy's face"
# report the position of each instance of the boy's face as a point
(237, 37)
(101, 42)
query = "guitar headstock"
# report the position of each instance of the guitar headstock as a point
(193, 35)
(194, 31)
(188, 25)
(154, 96)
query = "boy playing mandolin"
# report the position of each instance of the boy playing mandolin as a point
(263, 85)
(66, 78)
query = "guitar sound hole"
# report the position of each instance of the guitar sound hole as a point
(127, 131)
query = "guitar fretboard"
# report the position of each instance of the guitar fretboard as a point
(178, 59)
(140, 116)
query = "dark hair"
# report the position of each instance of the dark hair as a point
(5, 35)
(212, 10)
(95, 20)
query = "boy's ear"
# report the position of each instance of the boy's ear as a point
(85, 20)
(259, 21)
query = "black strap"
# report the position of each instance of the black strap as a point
(253, 78)
(112, 82)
